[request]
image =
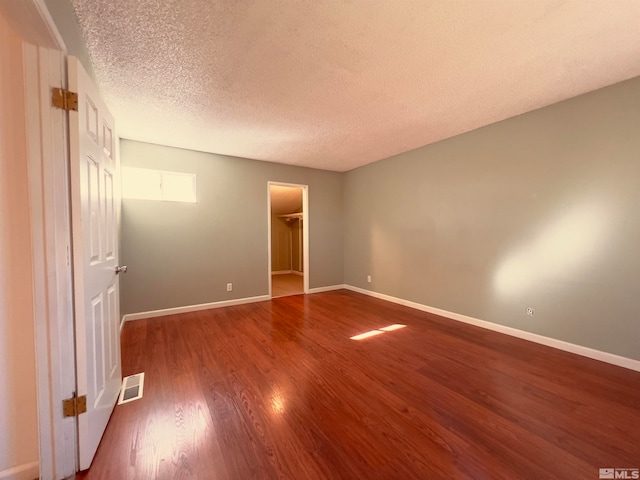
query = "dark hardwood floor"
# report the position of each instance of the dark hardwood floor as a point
(279, 390)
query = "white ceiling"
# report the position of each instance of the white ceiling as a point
(338, 84)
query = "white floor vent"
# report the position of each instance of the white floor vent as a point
(131, 388)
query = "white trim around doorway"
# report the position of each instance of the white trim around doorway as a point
(44, 67)
(305, 232)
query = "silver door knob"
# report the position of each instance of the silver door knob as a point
(121, 269)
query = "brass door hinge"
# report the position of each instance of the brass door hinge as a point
(74, 406)
(64, 99)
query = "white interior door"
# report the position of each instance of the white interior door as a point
(94, 202)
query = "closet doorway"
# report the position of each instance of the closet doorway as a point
(288, 239)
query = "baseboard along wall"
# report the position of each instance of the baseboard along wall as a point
(514, 332)
(193, 308)
(26, 471)
(327, 288)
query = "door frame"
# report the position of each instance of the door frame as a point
(305, 232)
(44, 61)
(52, 266)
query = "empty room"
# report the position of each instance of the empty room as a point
(319, 240)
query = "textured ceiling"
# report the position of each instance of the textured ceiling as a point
(285, 200)
(337, 84)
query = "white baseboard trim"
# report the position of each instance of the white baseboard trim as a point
(281, 272)
(194, 308)
(26, 471)
(514, 332)
(295, 272)
(326, 289)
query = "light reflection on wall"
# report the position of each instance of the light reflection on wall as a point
(561, 248)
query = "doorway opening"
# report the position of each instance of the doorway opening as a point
(288, 239)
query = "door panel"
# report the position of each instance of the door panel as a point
(113, 315)
(97, 329)
(95, 255)
(110, 213)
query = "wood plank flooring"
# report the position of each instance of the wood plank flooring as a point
(286, 284)
(279, 390)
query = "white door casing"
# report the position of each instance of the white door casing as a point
(94, 207)
(305, 233)
(52, 277)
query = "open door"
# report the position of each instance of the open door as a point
(94, 211)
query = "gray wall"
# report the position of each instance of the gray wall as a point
(184, 254)
(64, 17)
(539, 210)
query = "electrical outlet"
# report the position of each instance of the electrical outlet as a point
(530, 311)
(369, 278)
(229, 287)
